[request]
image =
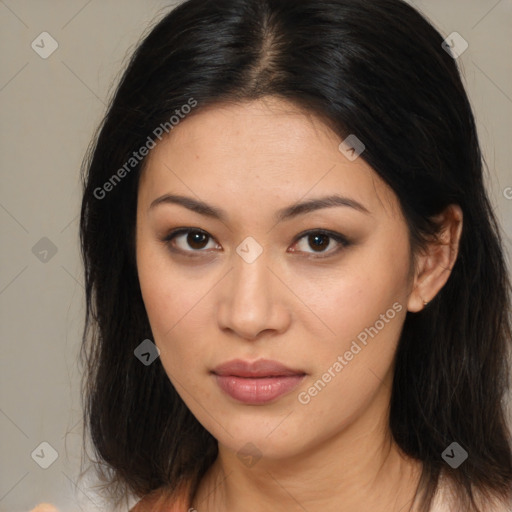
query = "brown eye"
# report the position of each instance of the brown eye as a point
(318, 242)
(189, 241)
(197, 240)
(321, 242)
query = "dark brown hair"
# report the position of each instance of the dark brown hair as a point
(375, 69)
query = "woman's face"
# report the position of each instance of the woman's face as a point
(253, 278)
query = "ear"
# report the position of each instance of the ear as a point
(434, 265)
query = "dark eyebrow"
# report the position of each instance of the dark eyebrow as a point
(283, 214)
(318, 204)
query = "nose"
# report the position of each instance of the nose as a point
(253, 302)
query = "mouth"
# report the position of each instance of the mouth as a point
(258, 382)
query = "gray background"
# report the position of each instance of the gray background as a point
(50, 108)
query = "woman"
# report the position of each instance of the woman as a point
(296, 292)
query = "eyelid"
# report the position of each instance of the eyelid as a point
(342, 240)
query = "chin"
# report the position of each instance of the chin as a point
(271, 438)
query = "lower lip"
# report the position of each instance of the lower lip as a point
(257, 390)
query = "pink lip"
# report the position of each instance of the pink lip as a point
(258, 382)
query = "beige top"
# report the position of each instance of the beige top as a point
(153, 503)
(443, 501)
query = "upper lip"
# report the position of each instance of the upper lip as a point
(259, 368)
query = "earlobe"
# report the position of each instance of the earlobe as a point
(436, 263)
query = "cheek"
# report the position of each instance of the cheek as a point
(174, 304)
(364, 286)
(363, 303)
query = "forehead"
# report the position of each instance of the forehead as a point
(267, 149)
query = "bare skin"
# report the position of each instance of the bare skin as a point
(297, 303)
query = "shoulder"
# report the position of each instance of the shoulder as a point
(146, 504)
(485, 506)
(445, 501)
(162, 501)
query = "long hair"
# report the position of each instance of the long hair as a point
(374, 69)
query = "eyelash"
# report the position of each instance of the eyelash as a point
(337, 237)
